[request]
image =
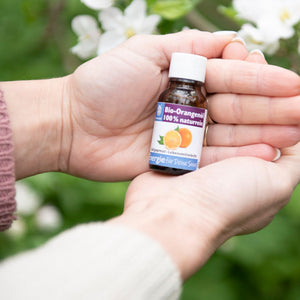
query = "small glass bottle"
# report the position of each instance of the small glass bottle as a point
(181, 115)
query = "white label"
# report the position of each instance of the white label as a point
(177, 136)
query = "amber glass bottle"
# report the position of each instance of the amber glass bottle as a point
(180, 117)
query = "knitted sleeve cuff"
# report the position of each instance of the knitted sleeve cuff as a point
(7, 172)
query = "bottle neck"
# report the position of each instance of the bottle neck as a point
(184, 83)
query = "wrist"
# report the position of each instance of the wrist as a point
(187, 238)
(35, 111)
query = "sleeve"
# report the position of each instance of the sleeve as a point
(93, 261)
(7, 175)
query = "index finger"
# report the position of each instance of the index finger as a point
(242, 77)
(159, 48)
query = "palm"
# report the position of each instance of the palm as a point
(119, 110)
(233, 194)
(113, 100)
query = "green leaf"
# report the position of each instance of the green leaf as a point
(172, 9)
(161, 141)
(177, 128)
(229, 12)
(150, 2)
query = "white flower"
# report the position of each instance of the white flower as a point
(17, 229)
(98, 4)
(27, 199)
(275, 18)
(86, 27)
(48, 218)
(119, 27)
(252, 10)
(258, 39)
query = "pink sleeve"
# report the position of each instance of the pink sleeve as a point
(7, 172)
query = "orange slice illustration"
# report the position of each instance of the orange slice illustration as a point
(172, 139)
(186, 137)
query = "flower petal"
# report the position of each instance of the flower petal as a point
(48, 218)
(98, 4)
(85, 24)
(109, 40)
(137, 9)
(289, 12)
(249, 29)
(255, 39)
(271, 48)
(150, 23)
(86, 27)
(252, 10)
(27, 198)
(252, 36)
(273, 29)
(111, 19)
(85, 49)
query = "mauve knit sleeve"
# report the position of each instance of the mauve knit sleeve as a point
(7, 172)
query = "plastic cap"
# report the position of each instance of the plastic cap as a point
(188, 66)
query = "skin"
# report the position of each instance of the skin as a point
(97, 123)
(193, 214)
(117, 135)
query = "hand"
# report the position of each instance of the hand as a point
(191, 215)
(113, 98)
(249, 110)
(97, 123)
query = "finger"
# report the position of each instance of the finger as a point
(241, 135)
(234, 76)
(256, 56)
(290, 163)
(159, 48)
(244, 109)
(213, 154)
(235, 50)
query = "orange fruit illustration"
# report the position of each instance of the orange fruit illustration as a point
(172, 139)
(186, 137)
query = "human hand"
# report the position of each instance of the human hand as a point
(113, 98)
(191, 215)
(99, 127)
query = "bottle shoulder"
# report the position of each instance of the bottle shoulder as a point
(190, 96)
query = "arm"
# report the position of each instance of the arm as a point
(36, 111)
(204, 211)
(93, 261)
(163, 237)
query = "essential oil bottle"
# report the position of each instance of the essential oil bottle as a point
(180, 119)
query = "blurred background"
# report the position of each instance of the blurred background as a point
(35, 42)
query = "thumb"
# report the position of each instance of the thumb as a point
(159, 48)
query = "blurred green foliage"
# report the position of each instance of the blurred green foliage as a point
(171, 9)
(35, 38)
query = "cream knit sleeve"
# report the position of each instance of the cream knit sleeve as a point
(93, 261)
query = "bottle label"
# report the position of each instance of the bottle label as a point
(177, 136)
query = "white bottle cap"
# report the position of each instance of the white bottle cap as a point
(188, 66)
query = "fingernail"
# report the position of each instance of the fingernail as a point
(257, 51)
(225, 32)
(278, 154)
(239, 40)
